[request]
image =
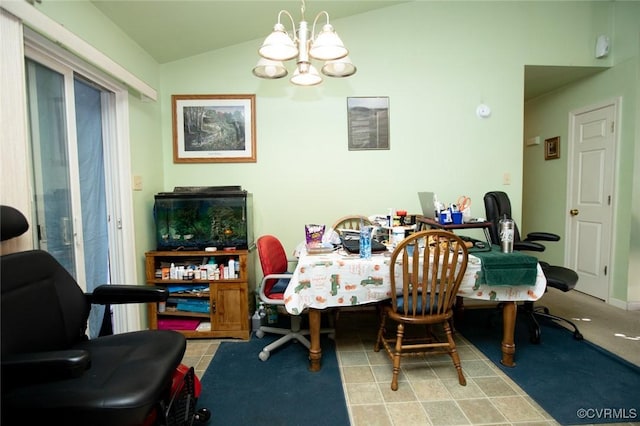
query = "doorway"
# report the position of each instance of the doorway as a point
(82, 209)
(65, 116)
(590, 174)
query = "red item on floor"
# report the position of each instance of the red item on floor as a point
(178, 324)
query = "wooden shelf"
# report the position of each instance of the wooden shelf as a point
(168, 314)
(228, 298)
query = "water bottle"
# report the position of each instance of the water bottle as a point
(507, 230)
(366, 233)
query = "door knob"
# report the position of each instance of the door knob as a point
(574, 212)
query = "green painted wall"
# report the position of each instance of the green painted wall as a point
(549, 116)
(545, 182)
(435, 60)
(440, 61)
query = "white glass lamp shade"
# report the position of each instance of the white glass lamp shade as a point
(327, 46)
(266, 68)
(342, 67)
(278, 46)
(310, 77)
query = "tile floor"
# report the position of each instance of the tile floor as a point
(428, 394)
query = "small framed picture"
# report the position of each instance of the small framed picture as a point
(214, 128)
(368, 123)
(552, 148)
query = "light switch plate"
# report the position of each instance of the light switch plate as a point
(137, 183)
(506, 178)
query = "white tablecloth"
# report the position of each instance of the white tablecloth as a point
(336, 279)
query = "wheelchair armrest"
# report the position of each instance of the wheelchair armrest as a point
(528, 246)
(542, 236)
(40, 367)
(114, 294)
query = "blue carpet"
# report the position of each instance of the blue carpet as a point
(239, 389)
(576, 382)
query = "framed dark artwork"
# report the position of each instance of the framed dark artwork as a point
(368, 123)
(552, 148)
(214, 128)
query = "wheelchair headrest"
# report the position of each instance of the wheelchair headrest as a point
(12, 223)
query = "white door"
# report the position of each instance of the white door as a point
(592, 155)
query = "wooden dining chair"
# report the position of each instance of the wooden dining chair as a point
(426, 270)
(351, 222)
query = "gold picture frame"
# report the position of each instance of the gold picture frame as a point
(552, 148)
(214, 128)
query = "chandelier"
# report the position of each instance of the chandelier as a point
(305, 45)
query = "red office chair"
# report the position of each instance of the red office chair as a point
(274, 262)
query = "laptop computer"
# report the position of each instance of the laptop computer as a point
(352, 245)
(427, 204)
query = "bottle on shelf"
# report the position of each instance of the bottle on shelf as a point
(231, 267)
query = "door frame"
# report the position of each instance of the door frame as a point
(121, 215)
(569, 249)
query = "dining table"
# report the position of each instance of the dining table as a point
(335, 279)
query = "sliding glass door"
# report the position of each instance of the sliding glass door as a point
(50, 156)
(66, 123)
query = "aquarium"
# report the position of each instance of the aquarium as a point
(195, 218)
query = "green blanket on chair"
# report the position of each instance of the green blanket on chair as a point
(500, 268)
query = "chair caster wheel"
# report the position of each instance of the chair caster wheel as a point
(578, 336)
(264, 355)
(259, 334)
(534, 335)
(202, 415)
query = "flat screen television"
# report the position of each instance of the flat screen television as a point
(195, 218)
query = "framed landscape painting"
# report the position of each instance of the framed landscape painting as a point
(214, 128)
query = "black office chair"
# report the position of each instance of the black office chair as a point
(52, 372)
(497, 206)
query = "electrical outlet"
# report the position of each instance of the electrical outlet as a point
(506, 178)
(137, 183)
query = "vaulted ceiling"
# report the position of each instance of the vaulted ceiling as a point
(170, 30)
